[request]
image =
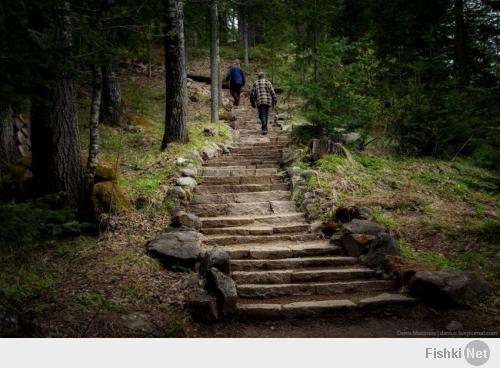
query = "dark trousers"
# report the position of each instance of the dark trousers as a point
(235, 90)
(263, 114)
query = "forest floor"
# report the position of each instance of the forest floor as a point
(444, 213)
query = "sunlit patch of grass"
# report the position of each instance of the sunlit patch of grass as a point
(89, 299)
(129, 259)
(384, 218)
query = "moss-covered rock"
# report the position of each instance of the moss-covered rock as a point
(104, 170)
(109, 196)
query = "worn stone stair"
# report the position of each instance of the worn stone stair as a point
(281, 267)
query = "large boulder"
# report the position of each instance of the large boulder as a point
(218, 258)
(446, 287)
(108, 196)
(380, 251)
(208, 153)
(224, 288)
(358, 236)
(357, 226)
(182, 247)
(185, 219)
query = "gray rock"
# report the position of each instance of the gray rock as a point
(186, 182)
(289, 154)
(9, 324)
(336, 239)
(357, 226)
(356, 245)
(454, 326)
(208, 153)
(182, 247)
(294, 171)
(203, 307)
(365, 213)
(190, 220)
(448, 287)
(218, 258)
(210, 132)
(224, 288)
(380, 250)
(190, 172)
(177, 192)
(181, 161)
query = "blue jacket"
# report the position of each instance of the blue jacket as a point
(236, 75)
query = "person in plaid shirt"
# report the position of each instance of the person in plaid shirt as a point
(263, 97)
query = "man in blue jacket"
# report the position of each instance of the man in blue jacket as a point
(236, 79)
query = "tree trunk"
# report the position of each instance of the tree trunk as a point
(94, 128)
(245, 35)
(176, 129)
(54, 122)
(214, 61)
(111, 105)
(8, 149)
(461, 45)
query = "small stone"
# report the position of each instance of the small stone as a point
(210, 132)
(188, 172)
(138, 322)
(187, 182)
(177, 192)
(208, 153)
(181, 161)
(454, 326)
(294, 171)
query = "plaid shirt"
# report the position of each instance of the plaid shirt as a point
(262, 93)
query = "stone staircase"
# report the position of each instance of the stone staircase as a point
(281, 267)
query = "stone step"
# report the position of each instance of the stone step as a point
(230, 209)
(301, 275)
(259, 229)
(291, 263)
(235, 180)
(220, 171)
(219, 239)
(241, 188)
(246, 160)
(282, 250)
(210, 222)
(243, 197)
(262, 291)
(245, 165)
(320, 308)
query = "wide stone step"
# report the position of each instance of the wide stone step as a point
(320, 308)
(282, 250)
(301, 275)
(241, 188)
(245, 160)
(219, 171)
(251, 179)
(227, 221)
(251, 151)
(291, 263)
(262, 291)
(260, 239)
(246, 165)
(256, 208)
(259, 229)
(245, 197)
